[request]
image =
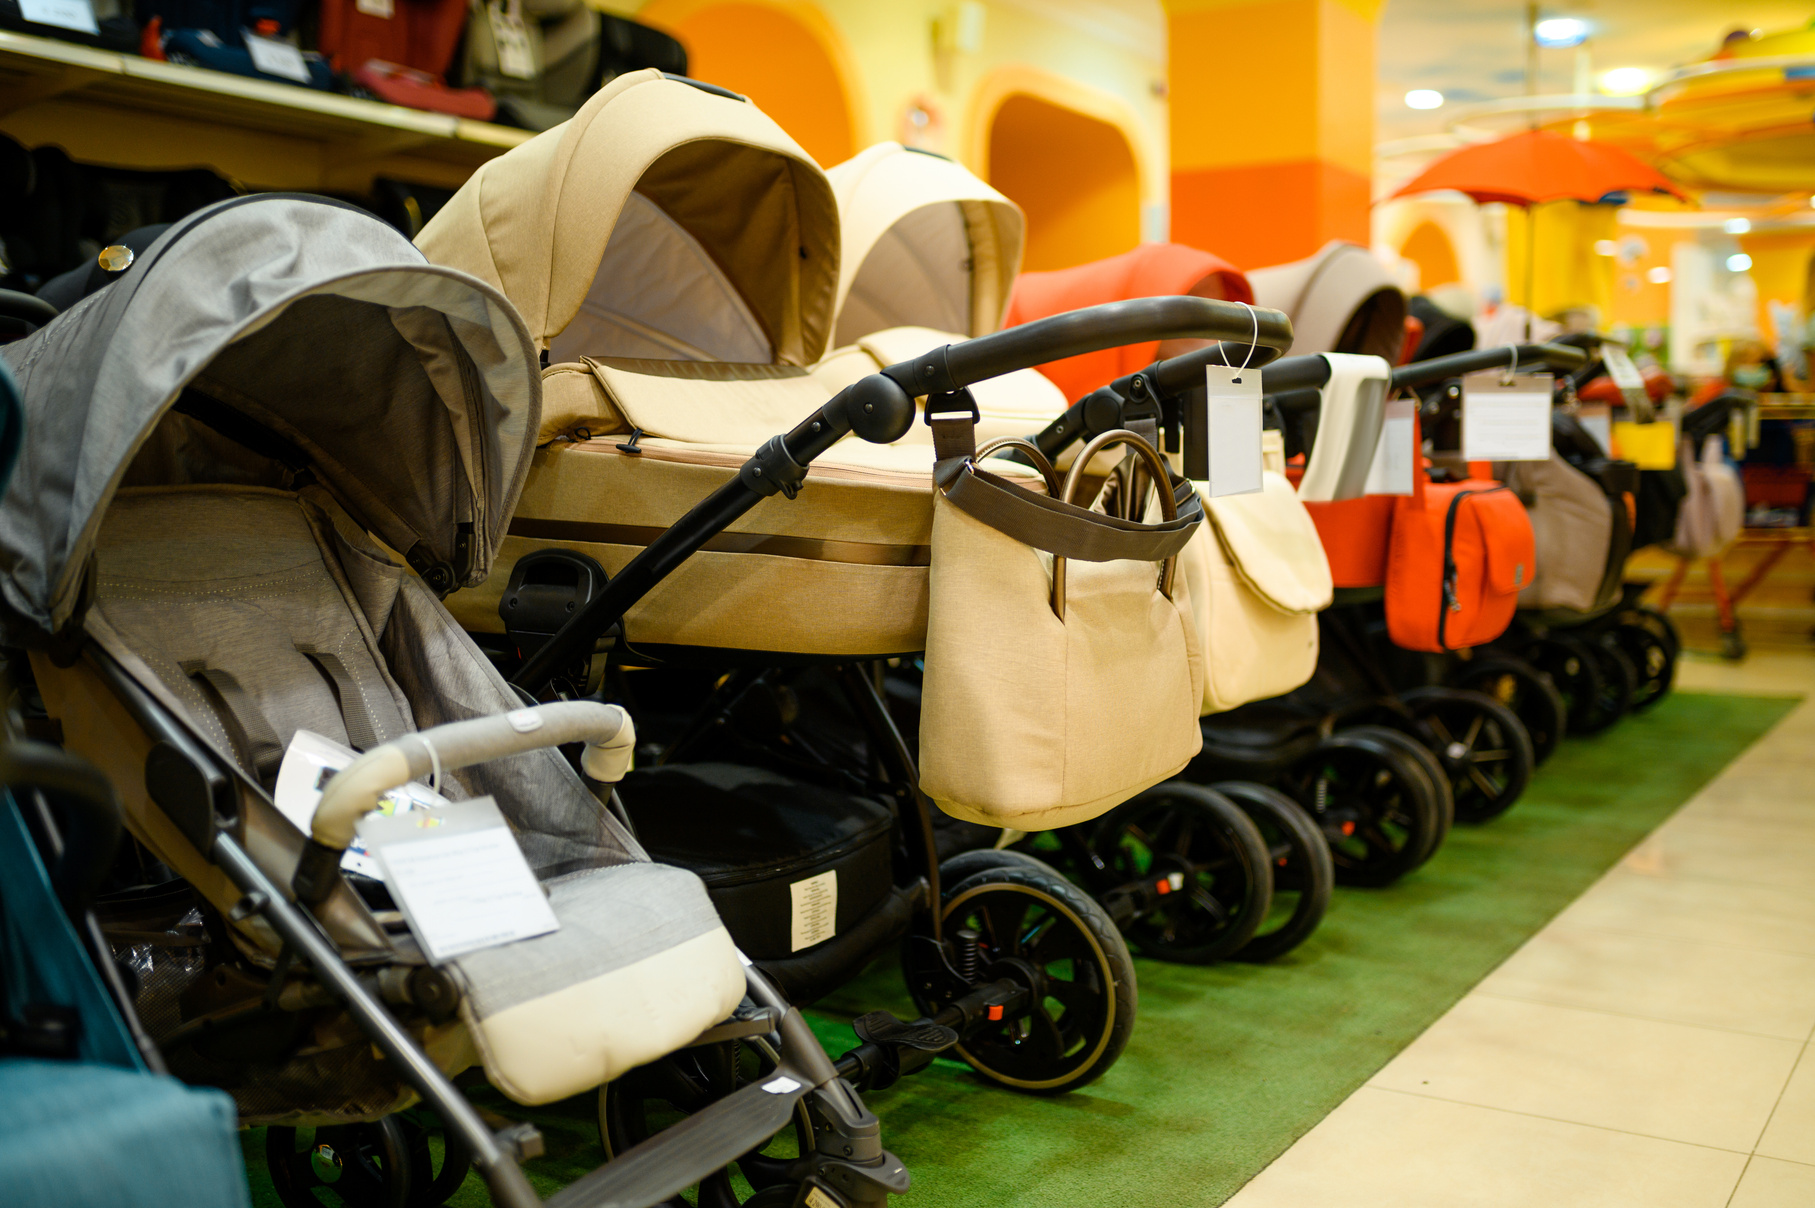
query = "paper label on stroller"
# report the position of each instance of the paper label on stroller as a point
(278, 58)
(515, 58)
(78, 15)
(459, 877)
(1506, 419)
(309, 763)
(815, 914)
(1233, 420)
(1597, 420)
(1390, 473)
(1626, 376)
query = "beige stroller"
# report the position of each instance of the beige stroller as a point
(221, 446)
(1340, 300)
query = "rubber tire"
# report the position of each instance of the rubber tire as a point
(1422, 820)
(1471, 803)
(365, 1186)
(969, 863)
(1118, 966)
(1577, 674)
(1538, 703)
(1659, 623)
(1653, 658)
(1620, 677)
(1239, 834)
(1428, 763)
(1303, 864)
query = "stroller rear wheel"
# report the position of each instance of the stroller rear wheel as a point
(1302, 872)
(1418, 749)
(1653, 659)
(356, 1165)
(1579, 676)
(1374, 805)
(1619, 677)
(1029, 924)
(1484, 749)
(1528, 692)
(1183, 871)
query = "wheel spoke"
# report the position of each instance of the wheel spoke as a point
(1202, 899)
(1436, 723)
(1483, 783)
(1489, 756)
(1474, 730)
(1001, 915)
(1377, 839)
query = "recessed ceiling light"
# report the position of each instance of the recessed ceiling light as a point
(1658, 276)
(1737, 226)
(1738, 262)
(1606, 247)
(1423, 98)
(1625, 81)
(1560, 31)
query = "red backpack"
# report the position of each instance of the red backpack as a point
(1461, 552)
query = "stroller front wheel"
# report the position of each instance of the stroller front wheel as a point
(1528, 692)
(355, 1165)
(1375, 806)
(1483, 748)
(1302, 872)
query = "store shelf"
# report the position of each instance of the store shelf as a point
(125, 111)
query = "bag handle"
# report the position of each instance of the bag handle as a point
(1161, 474)
(1022, 444)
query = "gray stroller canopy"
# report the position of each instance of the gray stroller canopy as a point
(412, 390)
(1340, 300)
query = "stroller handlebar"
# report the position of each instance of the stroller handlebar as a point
(1562, 358)
(355, 790)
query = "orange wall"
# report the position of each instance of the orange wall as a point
(776, 57)
(1430, 249)
(1780, 269)
(1073, 175)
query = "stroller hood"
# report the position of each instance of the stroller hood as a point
(311, 327)
(1340, 300)
(727, 244)
(926, 244)
(1150, 270)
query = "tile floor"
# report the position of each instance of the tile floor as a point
(1650, 1048)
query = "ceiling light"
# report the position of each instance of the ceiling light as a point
(1625, 81)
(1606, 247)
(1423, 98)
(1737, 226)
(1658, 276)
(1558, 32)
(1738, 262)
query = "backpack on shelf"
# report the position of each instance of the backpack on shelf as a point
(400, 51)
(253, 38)
(543, 58)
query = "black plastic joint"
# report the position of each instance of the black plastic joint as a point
(926, 374)
(773, 469)
(952, 402)
(315, 873)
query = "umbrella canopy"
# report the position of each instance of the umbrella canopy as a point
(290, 330)
(667, 220)
(1538, 166)
(1150, 270)
(926, 244)
(1340, 300)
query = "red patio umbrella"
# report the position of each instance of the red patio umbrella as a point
(1538, 166)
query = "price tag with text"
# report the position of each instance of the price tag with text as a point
(1391, 470)
(278, 58)
(1626, 376)
(1233, 421)
(515, 58)
(1506, 419)
(78, 15)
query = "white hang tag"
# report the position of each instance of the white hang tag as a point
(1233, 421)
(1506, 420)
(815, 913)
(310, 761)
(515, 58)
(78, 15)
(459, 878)
(1390, 473)
(278, 58)
(1597, 420)
(381, 9)
(1627, 377)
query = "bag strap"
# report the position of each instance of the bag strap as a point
(248, 729)
(362, 735)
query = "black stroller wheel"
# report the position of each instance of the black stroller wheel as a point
(969, 863)
(1033, 926)
(1528, 692)
(1483, 747)
(1578, 675)
(358, 1165)
(1183, 871)
(1302, 872)
(653, 1097)
(1619, 677)
(1653, 659)
(1419, 750)
(1374, 805)
(431, 1186)
(1657, 622)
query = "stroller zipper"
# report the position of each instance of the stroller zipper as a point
(1448, 601)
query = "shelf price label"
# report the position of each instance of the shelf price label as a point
(78, 15)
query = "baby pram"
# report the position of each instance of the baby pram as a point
(220, 442)
(1339, 300)
(712, 596)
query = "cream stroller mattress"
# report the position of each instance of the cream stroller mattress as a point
(839, 571)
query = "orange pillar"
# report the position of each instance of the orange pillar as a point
(1272, 114)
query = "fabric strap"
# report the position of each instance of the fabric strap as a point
(361, 734)
(247, 727)
(1041, 521)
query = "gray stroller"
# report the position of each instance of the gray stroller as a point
(224, 445)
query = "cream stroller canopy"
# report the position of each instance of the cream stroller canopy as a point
(402, 383)
(926, 244)
(606, 236)
(1340, 300)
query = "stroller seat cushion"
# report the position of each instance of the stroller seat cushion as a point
(568, 1011)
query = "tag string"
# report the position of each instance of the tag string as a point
(434, 766)
(1222, 350)
(1512, 369)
